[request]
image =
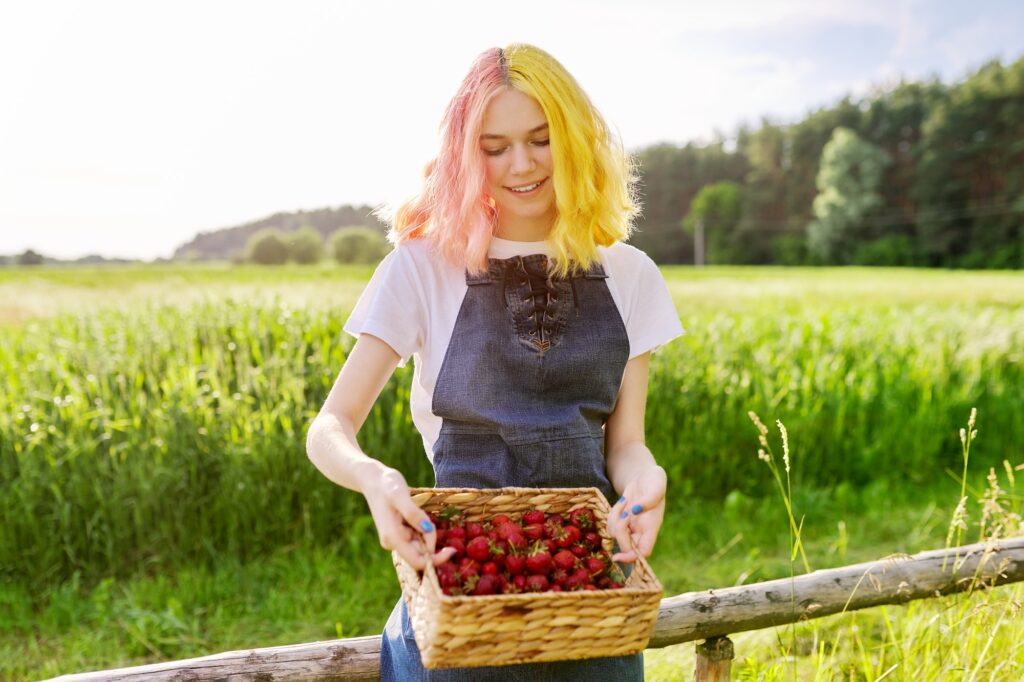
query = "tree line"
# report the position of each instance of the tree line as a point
(918, 173)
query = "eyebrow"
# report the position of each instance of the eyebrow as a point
(489, 136)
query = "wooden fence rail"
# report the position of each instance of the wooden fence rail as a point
(708, 615)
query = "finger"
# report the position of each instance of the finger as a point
(444, 555)
(621, 533)
(409, 549)
(614, 516)
(416, 518)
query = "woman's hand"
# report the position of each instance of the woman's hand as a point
(638, 514)
(401, 525)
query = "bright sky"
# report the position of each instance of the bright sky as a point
(128, 127)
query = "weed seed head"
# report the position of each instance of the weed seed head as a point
(785, 443)
(973, 418)
(763, 456)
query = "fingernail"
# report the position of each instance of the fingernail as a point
(621, 500)
(427, 526)
(637, 508)
(624, 515)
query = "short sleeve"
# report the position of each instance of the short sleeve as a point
(651, 319)
(390, 306)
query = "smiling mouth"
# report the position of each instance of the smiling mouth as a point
(526, 189)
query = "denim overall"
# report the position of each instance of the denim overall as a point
(531, 374)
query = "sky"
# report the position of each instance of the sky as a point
(128, 127)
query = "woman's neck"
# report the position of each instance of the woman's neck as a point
(524, 229)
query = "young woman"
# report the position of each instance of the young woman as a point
(530, 323)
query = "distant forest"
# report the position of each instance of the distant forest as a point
(917, 173)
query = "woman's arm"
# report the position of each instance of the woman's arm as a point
(631, 467)
(331, 445)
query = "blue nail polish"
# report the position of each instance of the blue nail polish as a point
(621, 500)
(624, 515)
(637, 508)
(427, 526)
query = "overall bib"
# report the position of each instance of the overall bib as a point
(531, 374)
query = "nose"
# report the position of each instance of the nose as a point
(522, 159)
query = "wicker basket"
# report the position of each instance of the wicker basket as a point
(472, 631)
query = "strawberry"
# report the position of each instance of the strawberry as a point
(539, 561)
(490, 568)
(487, 584)
(515, 564)
(534, 531)
(590, 587)
(559, 576)
(551, 545)
(564, 559)
(516, 541)
(533, 516)
(479, 548)
(570, 536)
(537, 583)
(582, 517)
(468, 568)
(556, 588)
(592, 539)
(595, 565)
(556, 519)
(579, 551)
(458, 545)
(500, 520)
(519, 582)
(457, 532)
(474, 529)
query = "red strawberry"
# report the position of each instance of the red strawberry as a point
(539, 561)
(500, 520)
(515, 564)
(468, 568)
(537, 583)
(458, 545)
(474, 529)
(519, 582)
(579, 550)
(614, 585)
(533, 516)
(556, 519)
(516, 541)
(457, 532)
(582, 517)
(592, 539)
(590, 587)
(534, 531)
(479, 548)
(595, 564)
(559, 576)
(556, 588)
(447, 575)
(490, 568)
(551, 545)
(570, 536)
(487, 584)
(564, 559)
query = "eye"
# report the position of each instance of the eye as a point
(494, 152)
(542, 143)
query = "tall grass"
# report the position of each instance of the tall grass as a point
(155, 437)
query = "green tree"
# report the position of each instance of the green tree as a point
(30, 257)
(848, 182)
(306, 246)
(358, 244)
(718, 208)
(267, 247)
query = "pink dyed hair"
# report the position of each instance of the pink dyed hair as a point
(452, 210)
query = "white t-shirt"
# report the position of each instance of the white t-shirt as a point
(413, 299)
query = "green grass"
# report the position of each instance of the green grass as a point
(156, 501)
(313, 592)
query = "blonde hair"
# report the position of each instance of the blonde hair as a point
(594, 177)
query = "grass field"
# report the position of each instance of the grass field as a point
(156, 502)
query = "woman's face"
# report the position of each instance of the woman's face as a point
(518, 156)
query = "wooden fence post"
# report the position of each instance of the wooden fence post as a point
(714, 660)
